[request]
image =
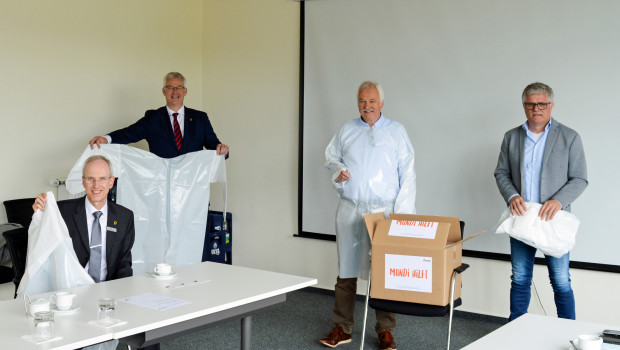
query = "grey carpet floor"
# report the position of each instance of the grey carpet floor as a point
(305, 317)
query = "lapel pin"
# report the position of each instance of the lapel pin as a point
(115, 222)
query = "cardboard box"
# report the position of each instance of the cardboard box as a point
(413, 257)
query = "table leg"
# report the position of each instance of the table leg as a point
(246, 332)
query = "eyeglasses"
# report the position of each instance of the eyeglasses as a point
(92, 180)
(540, 105)
(174, 88)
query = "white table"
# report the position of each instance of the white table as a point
(231, 292)
(73, 329)
(537, 332)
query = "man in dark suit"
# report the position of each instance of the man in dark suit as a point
(172, 130)
(541, 161)
(102, 232)
(113, 239)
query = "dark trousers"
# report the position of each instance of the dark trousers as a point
(344, 306)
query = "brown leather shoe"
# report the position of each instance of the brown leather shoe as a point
(336, 337)
(386, 340)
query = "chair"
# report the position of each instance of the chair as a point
(415, 309)
(17, 241)
(6, 274)
(19, 211)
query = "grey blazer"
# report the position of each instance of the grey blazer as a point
(563, 176)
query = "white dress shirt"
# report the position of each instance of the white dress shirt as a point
(103, 222)
(180, 118)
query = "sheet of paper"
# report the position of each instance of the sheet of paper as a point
(413, 229)
(412, 273)
(155, 301)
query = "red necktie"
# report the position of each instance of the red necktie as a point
(177, 132)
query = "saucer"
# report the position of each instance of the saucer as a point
(73, 309)
(162, 277)
(31, 338)
(113, 323)
(571, 347)
(574, 347)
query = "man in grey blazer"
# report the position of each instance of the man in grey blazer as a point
(540, 161)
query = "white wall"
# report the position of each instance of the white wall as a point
(251, 86)
(73, 69)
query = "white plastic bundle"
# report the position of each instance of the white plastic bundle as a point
(554, 237)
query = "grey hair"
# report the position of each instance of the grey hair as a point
(537, 88)
(174, 75)
(96, 157)
(377, 86)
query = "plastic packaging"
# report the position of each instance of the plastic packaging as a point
(554, 237)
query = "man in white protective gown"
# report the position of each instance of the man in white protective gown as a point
(372, 162)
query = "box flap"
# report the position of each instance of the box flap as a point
(466, 239)
(371, 222)
(454, 234)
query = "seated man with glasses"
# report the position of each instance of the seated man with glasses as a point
(171, 130)
(102, 231)
(540, 161)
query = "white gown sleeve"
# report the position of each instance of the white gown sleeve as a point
(334, 162)
(405, 201)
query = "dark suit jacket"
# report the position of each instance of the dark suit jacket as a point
(118, 244)
(563, 175)
(156, 128)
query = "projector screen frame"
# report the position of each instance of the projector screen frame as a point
(329, 237)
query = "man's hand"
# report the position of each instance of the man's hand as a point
(344, 176)
(221, 149)
(98, 140)
(517, 206)
(39, 202)
(548, 209)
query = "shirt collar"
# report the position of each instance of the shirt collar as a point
(524, 126)
(90, 209)
(181, 111)
(380, 122)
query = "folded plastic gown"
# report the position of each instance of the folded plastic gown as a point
(169, 199)
(380, 160)
(51, 263)
(554, 237)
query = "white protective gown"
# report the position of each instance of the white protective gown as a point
(169, 199)
(380, 160)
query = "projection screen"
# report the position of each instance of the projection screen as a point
(453, 73)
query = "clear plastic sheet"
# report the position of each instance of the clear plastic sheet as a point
(169, 199)
(51, 263)
(554, 237)
(380, 161)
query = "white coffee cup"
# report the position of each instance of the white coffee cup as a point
(163, 269)
(39, 305)
(589, 342)
(63, 300)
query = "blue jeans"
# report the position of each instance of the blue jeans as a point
(522, 258)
